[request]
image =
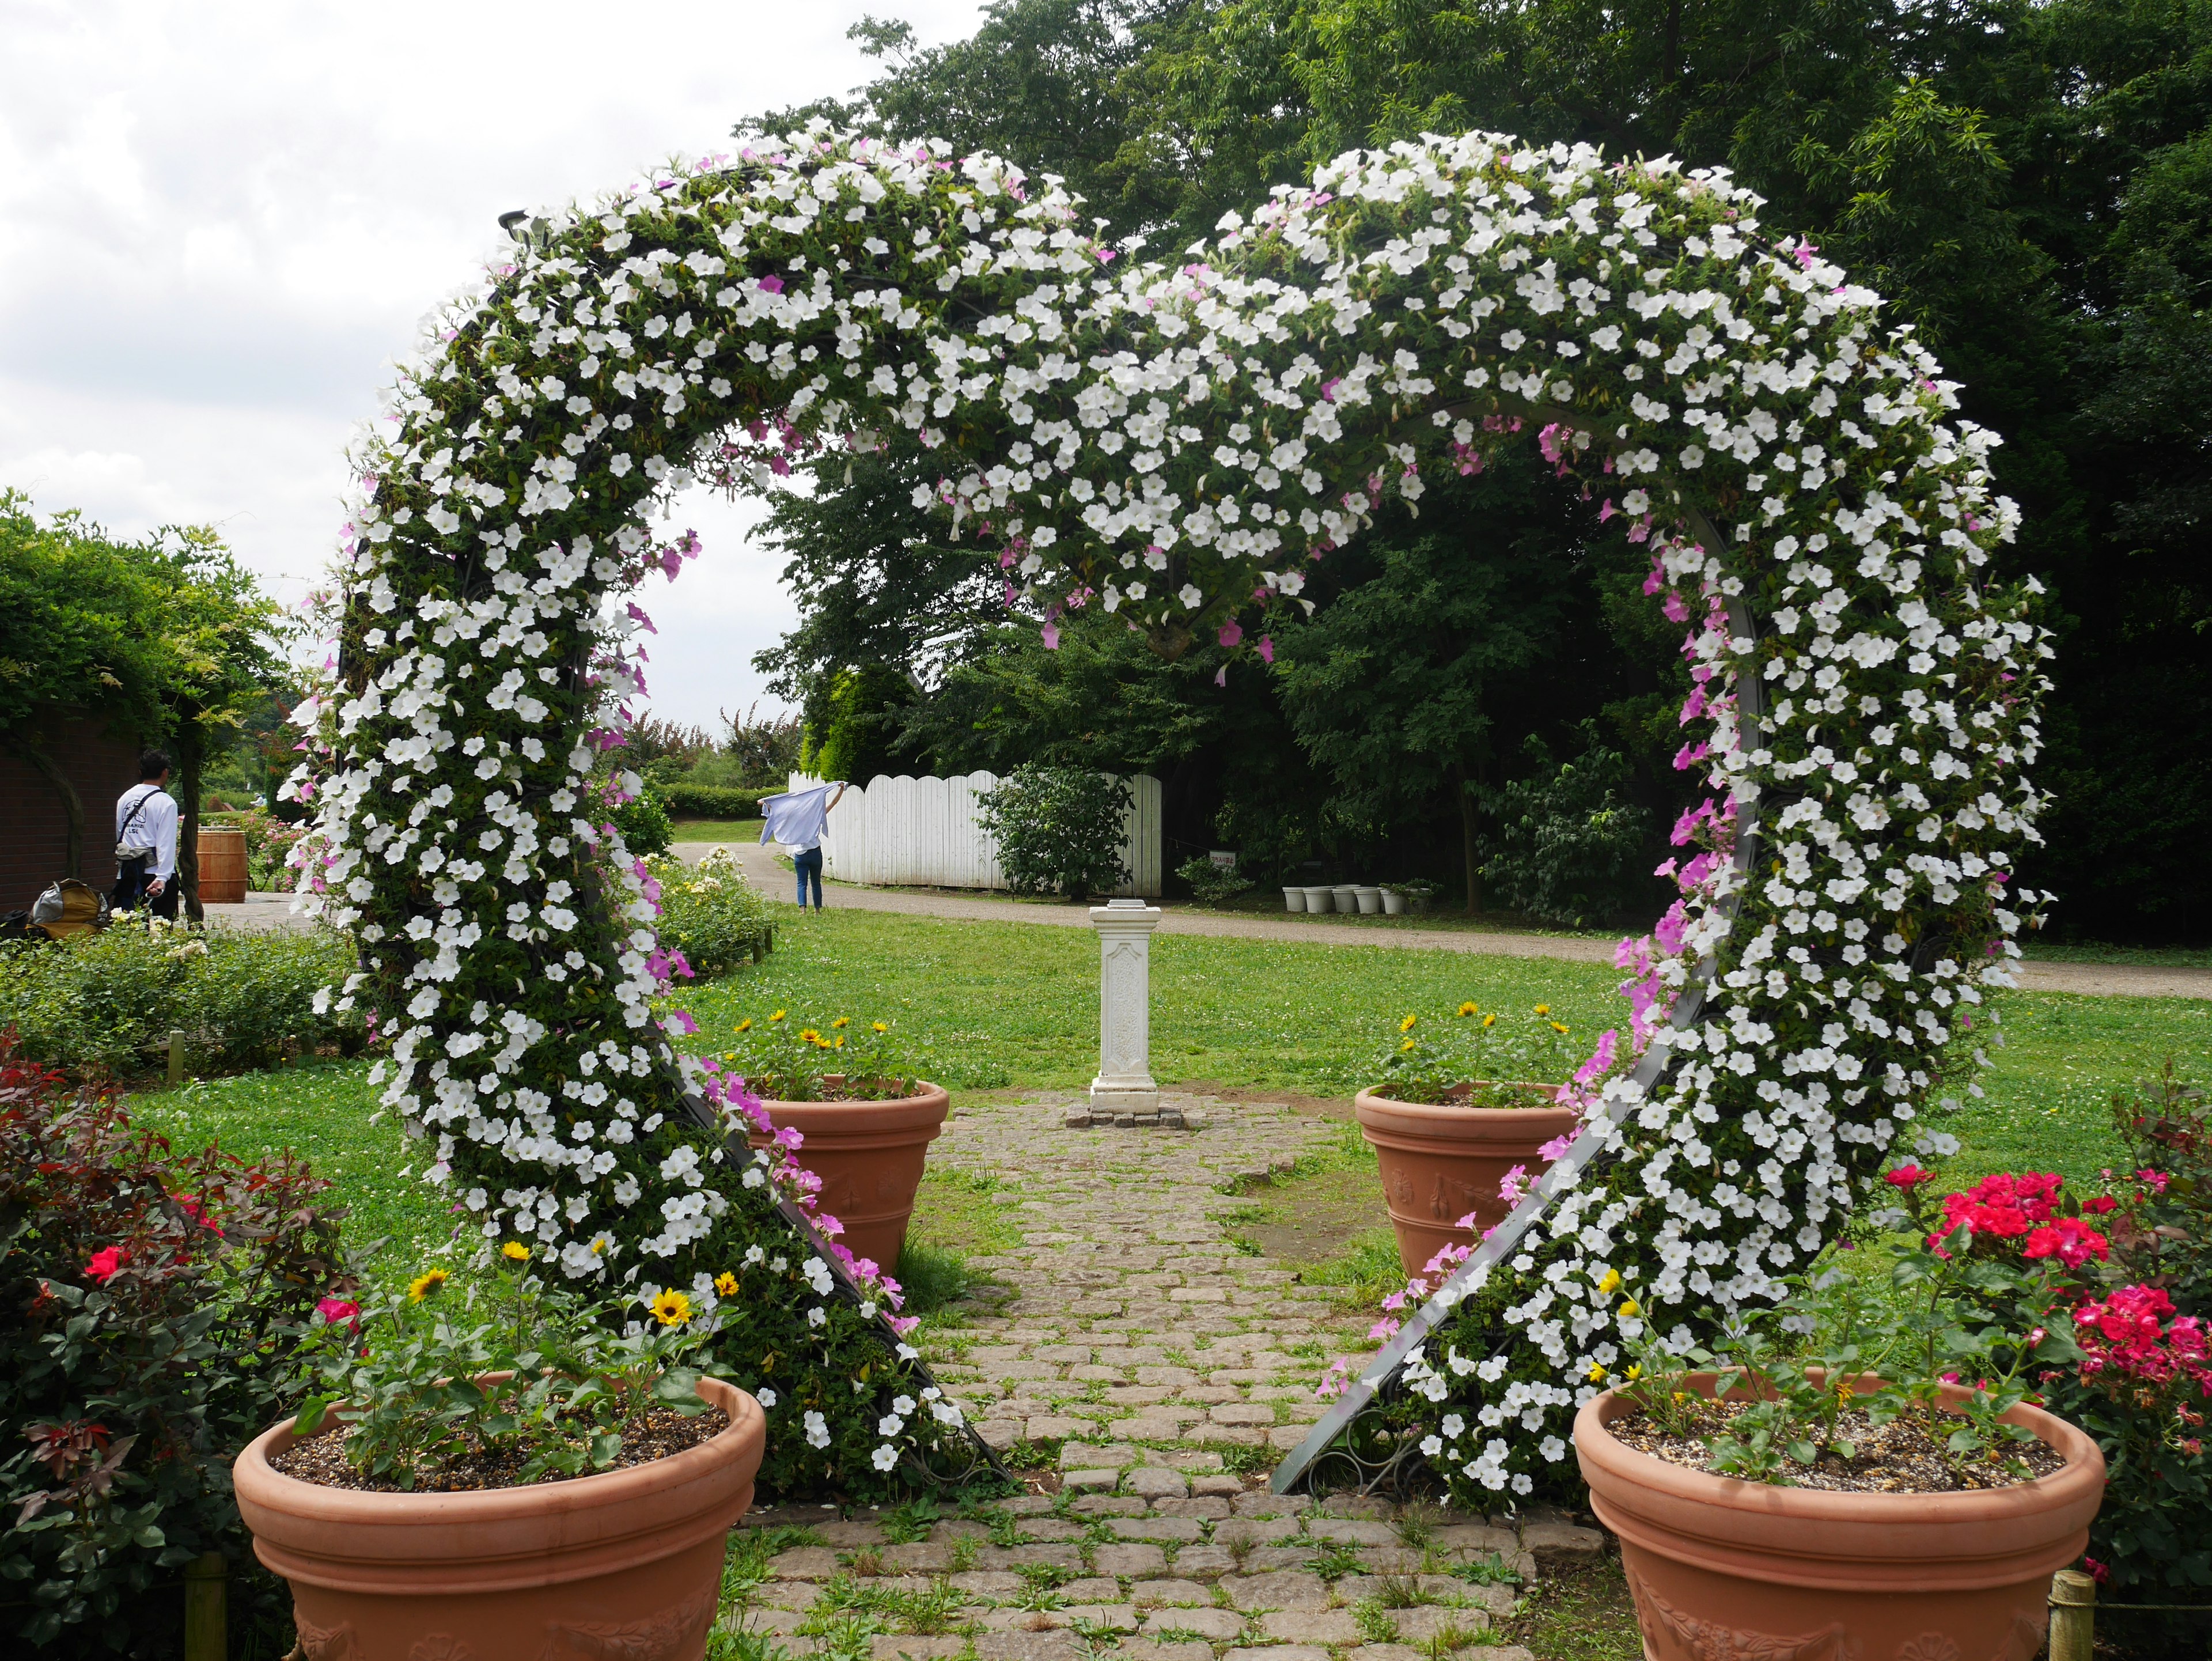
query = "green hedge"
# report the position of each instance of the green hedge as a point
(105, 1003)
(710, 801)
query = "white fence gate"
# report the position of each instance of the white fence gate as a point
(926, 833)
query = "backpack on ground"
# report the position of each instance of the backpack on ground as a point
(68, 907)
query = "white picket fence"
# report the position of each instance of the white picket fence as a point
(927, 833)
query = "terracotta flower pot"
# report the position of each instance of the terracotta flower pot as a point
(1441, 1162)
(626, 1562)
(869, 1156)
(1721, 1567)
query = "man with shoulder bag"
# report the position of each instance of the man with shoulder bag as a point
(146, 841)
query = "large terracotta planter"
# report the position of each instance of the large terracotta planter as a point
(1441, 1162)
(1725, 1568)
(626, 1563)
(869, 1156)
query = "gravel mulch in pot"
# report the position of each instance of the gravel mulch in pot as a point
(1897, 1458)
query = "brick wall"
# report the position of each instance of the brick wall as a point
(34, 826)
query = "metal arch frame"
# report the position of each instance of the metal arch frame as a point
(1383, 1371)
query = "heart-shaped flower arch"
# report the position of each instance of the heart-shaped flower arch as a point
(1175, 445)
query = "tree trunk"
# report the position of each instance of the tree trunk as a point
(72, 806)
(189, 765)
(1468, 839)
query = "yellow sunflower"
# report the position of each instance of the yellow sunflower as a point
(1406, 1025)
(426, 1285)
(842, 1020)
(670, 1308)
(1468, 1009)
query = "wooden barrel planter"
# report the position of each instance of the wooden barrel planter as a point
(222, 865)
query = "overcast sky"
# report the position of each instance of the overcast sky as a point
(220, 221)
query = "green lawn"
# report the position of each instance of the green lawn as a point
(992, 1005)
(718, 830)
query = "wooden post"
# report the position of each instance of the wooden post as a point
(206, 1618)
(2073, 1615)
(176, 1056)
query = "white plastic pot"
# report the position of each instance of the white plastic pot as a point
(1319, 900)
(1347, 897)
(1294, 900)
(1371, 901)
(1394, 904)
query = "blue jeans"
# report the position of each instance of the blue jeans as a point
(807, 863)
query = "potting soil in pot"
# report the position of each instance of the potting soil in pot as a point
(321, 1459)
(1897, 1458)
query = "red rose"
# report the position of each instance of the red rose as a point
(1909, 1176)
(105, 1262)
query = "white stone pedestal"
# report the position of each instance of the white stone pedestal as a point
(1124, 1092)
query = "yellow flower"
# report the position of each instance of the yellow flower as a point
(881, 1026)
(670, 1308)
(1406, 1025)
(1468, 1009)
(1408, 1044)
(1558, 1026)
(746, 1025)
(842, 1020)
(423, 1285)
(1610, 1285)
(1629, 1311)
(515, 1252)
(1543, 1009)
(599, 1246)
(810, 1036)
(1635, 1373)
(1490, 1020)
(777, 1016)
(726, 1284)
(839, 1045)
(1597, 1373)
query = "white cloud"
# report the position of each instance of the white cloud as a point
(220, 223)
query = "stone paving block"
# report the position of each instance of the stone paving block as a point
(1285, 1589)
(926, 1557)
(1110, 1504)
(804, 1563)
(988, 1583)
(1173, 1589)
(1562, 1542)
(1155, 1484)
(1475, 1538)
(758, 1619)
(1240, 1435)
(1286, 1437)
(1027, 1504)
(1103, 1478)
(1355, 1504)
(1013, 1557)
(1110, 1617)
(1225, 1485)
(1056, 1427)
(1240, 1413)
(1078, 1353)
(1204, 1508)
(850, 1534)
(1330, 1626)
(1273, 1559)
(1047, 1528)
(1092, 1456)
(1129, 1561)
(1260, 1502)
(1138, 1395)
(1092, 1589)
(1028, 1647)
(1178, 1529)
(1217, 1625)
(885, 1647)
(1257, 1530)
(1166, 1375)
(1141, 1649)
(1432, 1621)
(999, 1434)
(1189, 1463)
(1282, 1652)
(1205, 1562)
(785, 1594)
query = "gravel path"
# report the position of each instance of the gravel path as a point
(758, 863)
(1170, 1371)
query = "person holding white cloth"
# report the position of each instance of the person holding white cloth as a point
(799, 819)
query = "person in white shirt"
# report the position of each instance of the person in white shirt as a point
(146, 841)
(797, 819)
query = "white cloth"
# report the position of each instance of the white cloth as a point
(156, 825)
(798, 818)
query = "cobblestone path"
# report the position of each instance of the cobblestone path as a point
(1171, 1372)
